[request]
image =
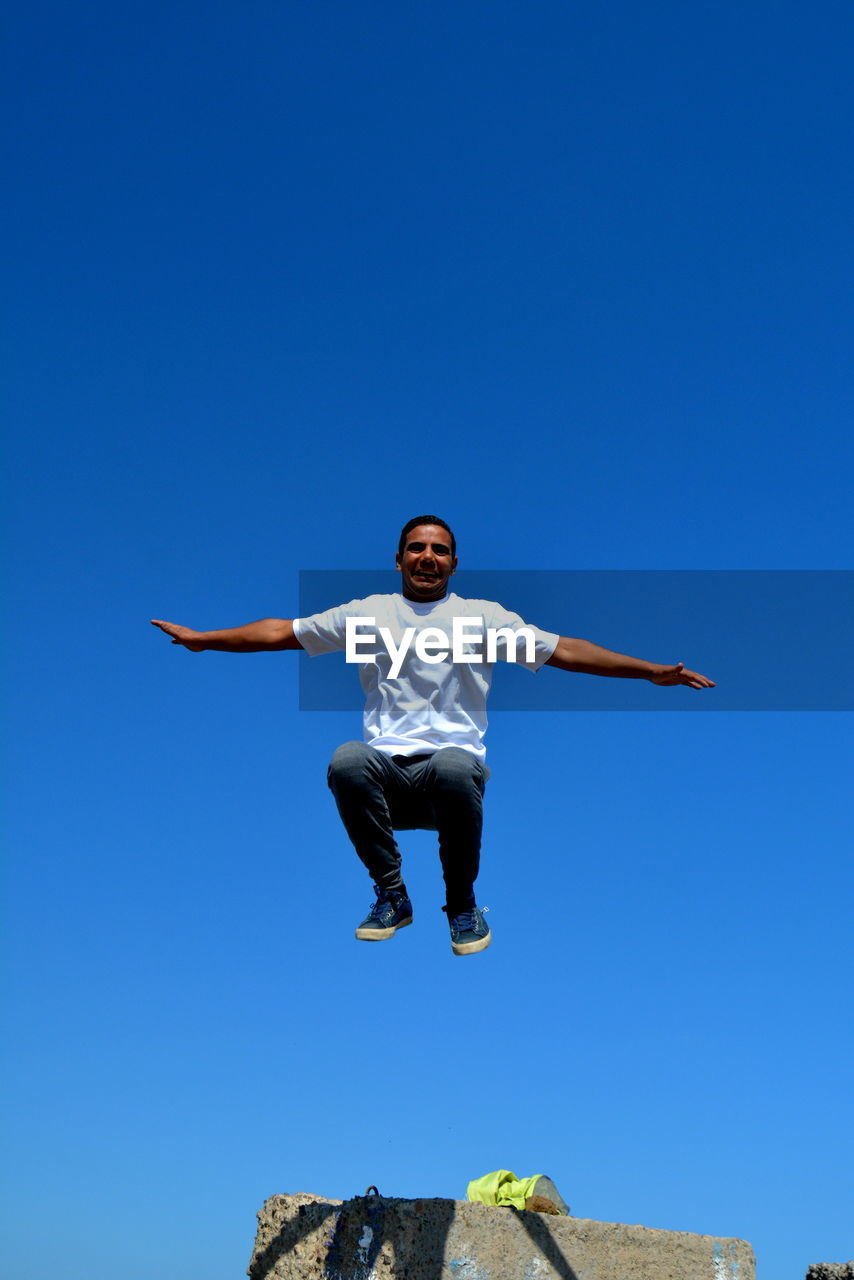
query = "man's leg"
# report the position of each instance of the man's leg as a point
(362, 780)
(453, 781)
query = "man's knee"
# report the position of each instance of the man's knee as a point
(453, 767)
(350, 763)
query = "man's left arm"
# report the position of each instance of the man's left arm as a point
(580, 655)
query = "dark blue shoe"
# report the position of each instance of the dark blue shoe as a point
(469, 931)
(391, 911)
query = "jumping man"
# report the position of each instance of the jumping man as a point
(421, 763)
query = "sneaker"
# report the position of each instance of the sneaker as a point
(469, 931)
(546, 1193)
(391, 911)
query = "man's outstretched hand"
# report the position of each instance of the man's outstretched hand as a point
(186, 636)
(679, 675)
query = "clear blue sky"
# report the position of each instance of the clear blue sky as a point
(281, 276)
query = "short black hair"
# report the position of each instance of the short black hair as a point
(416, 520)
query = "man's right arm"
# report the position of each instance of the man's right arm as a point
(254, 637)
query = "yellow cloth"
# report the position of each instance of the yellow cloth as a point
(502, 1188)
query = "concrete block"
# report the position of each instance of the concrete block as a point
(306, 1237)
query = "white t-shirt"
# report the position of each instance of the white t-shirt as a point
(427, 706)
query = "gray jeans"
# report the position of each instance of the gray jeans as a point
(378, 794)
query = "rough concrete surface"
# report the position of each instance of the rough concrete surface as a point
(306, 1237)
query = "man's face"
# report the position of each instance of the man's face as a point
(426, 563)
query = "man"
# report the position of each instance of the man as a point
(421, 764)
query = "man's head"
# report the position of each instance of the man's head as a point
(426, 557)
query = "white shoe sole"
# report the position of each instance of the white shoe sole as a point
(468, 948)
(380, 935)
